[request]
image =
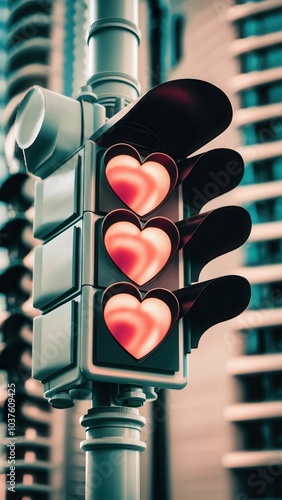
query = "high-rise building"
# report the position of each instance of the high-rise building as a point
(256, 463)
(40, 44)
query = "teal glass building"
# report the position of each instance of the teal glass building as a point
(256, 464)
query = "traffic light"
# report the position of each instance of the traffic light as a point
(123, 238)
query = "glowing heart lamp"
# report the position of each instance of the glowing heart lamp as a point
(141, 253)
(139, 327)
(141, 186)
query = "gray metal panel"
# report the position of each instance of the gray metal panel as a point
(89, 176)
(53, 341)
(57, 270)
(88, 249)
(58, 199)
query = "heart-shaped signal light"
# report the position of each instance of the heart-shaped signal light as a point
(142, 187)
(140, 253)
(139, 325)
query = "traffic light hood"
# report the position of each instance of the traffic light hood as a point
(142, 330)
(177, 118)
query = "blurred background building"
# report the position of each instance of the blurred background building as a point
(257, 416)
(25, 52)
(224, 431)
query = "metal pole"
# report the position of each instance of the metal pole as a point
(112, 449)
(161, 477)
(113, 39)
(112, 443)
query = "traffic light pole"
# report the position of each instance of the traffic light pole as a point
(112, 448)
(113, 424)
(113, 40)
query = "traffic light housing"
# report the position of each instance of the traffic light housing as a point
(111, 312)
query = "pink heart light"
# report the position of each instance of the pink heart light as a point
(143, 187)
(139, 327)
(141, 254)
